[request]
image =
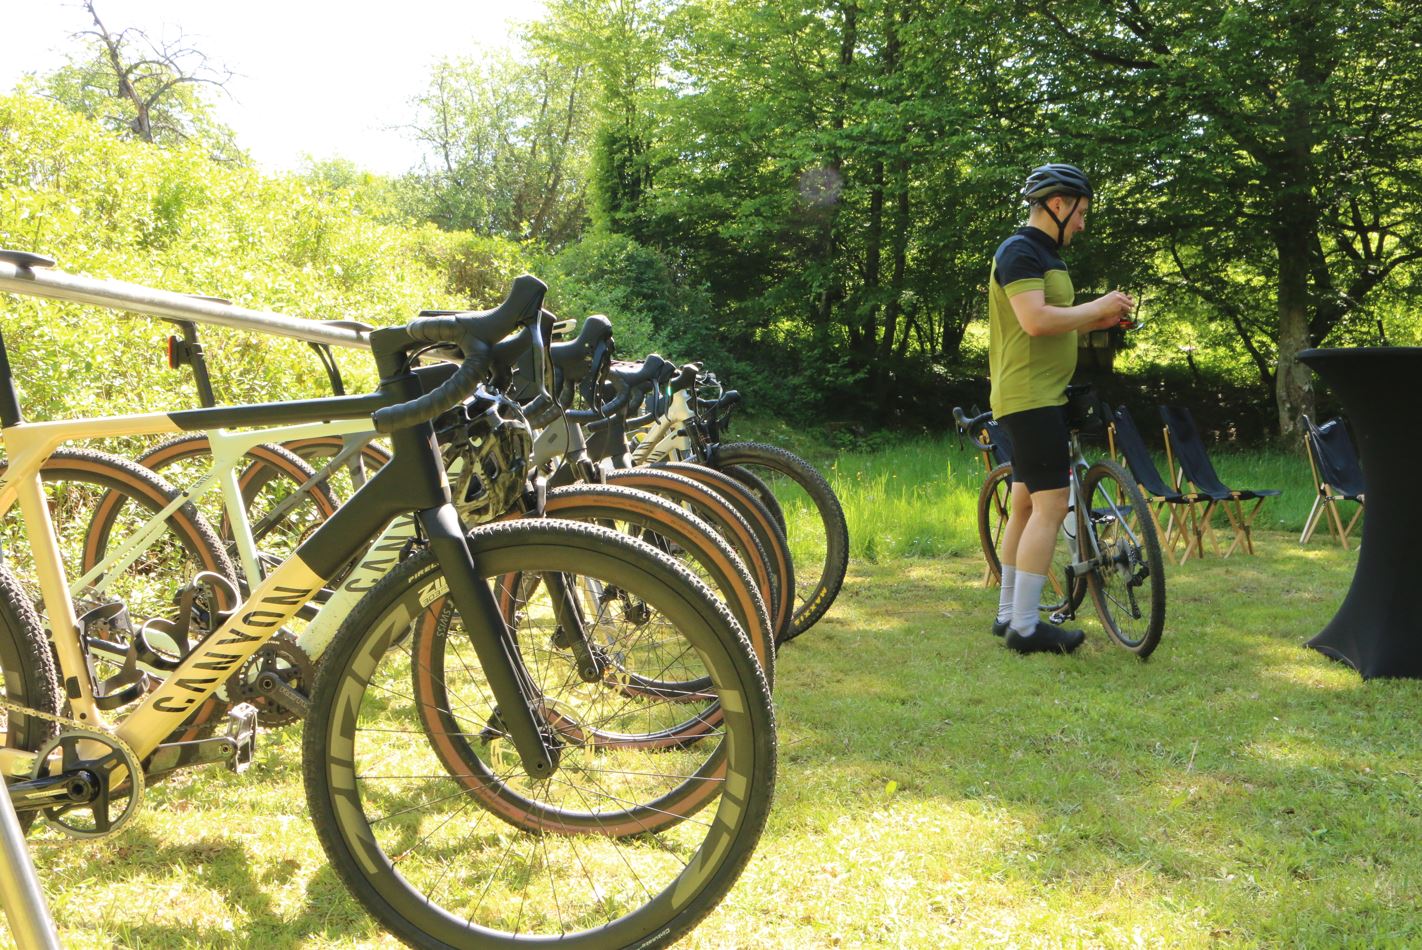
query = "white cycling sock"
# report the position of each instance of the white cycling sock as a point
(1004, 597)
(1025, 599)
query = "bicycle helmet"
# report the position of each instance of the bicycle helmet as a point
(1057, 179)
(496, 443)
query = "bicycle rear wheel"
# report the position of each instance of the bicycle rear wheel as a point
(808, 513)
(272, 474)
(119, 500)
(607, 852)
(1128, 586)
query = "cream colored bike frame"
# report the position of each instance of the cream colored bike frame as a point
(271, 605)
(228, 455)
(667, 434)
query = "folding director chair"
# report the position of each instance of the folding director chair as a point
(1183, 447)
(1337, 474)
(1125, 439)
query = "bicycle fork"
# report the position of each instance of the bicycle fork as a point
(516, 697)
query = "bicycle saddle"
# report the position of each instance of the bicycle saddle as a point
(25, 259)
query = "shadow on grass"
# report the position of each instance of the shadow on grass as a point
(1235, 772)
(227, 873)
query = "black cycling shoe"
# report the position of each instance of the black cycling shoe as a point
(999, 627)
(1045, 639)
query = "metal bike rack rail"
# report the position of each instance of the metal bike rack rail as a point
(30, 924)
(43, 281)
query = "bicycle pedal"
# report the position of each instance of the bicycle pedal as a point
(242, 731)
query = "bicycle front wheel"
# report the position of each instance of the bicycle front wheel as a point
(1128, 584)
(28, 670)
(768, 534)
(592, 858)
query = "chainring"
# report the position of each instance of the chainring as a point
(97, 772)
(282, 656)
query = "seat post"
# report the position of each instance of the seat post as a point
(9, 398)
(188, 352)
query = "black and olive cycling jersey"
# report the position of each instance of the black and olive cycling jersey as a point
(1028, 372)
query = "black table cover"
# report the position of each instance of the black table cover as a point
(1378, 628)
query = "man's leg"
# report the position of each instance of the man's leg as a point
(1020, 511)
(1034, 556)
(1034, 560)
(1039, 536)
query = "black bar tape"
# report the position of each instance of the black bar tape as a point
(474, 333)
(600, 416)
(447, 395)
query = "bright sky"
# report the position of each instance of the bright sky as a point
(313, 77)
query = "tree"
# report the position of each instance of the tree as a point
(1285, 136)
(623, 47)
(507, 148)
(145, 88)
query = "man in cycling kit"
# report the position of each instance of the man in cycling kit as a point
(1031, 358)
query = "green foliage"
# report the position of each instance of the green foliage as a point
(633, 285)
(622, 46)
(807, 197)
(178, 220)
(507, 143)
(374, 196)
(838, 175)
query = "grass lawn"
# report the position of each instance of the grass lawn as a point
(936, 790)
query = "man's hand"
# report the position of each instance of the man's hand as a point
(1112, 308)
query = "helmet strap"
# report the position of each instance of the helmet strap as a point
(1060, 223)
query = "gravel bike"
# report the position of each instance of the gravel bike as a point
(1112, 551)
(553, 833)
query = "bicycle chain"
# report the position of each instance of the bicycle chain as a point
(73, 727)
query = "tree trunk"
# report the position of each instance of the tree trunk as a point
(862, 312)
(1293, 389)
(955, 325)
(832, 292)
(898, 241)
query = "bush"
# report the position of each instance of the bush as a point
(174, 219)
(651, 311)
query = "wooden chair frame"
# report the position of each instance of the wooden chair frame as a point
(1241, 522)
(1326, 502)
(1178, 529)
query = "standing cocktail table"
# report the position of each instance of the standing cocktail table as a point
(1378, 628)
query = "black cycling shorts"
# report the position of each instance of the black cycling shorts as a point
(1040, 454)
